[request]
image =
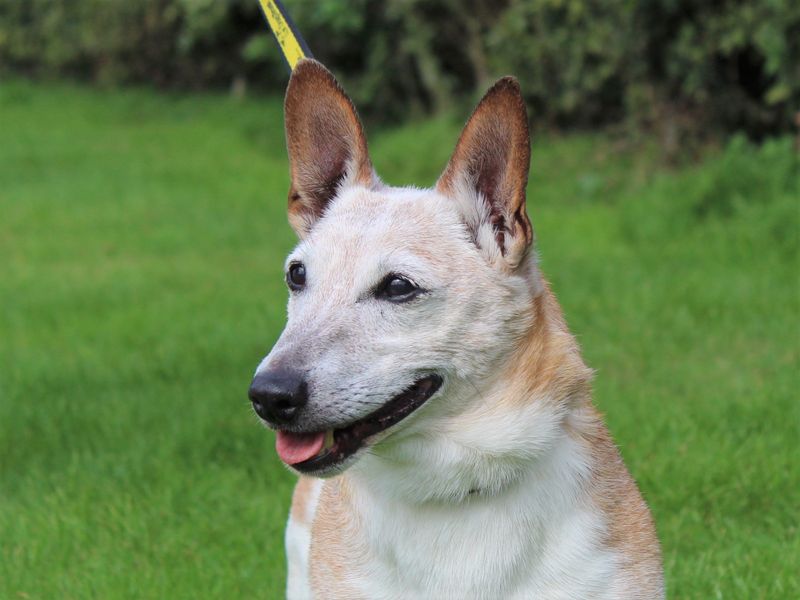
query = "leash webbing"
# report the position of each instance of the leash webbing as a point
(292, 44)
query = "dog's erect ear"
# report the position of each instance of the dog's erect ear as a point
(326, 143)
(488, 172)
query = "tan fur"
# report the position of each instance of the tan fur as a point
(333, 551)
(301, 501)
(548, 358)
(631, 530)
(548, 364)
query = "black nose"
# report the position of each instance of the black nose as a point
(278, 395)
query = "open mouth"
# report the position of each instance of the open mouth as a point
(321, 450)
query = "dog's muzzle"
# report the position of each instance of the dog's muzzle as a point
(279, 397)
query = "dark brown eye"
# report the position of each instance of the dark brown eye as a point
(296, 276)
(396, 288)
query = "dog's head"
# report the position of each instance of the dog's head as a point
(399, 297)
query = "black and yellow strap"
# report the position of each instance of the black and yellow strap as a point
(289, 39)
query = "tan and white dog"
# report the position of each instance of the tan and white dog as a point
(426, 386)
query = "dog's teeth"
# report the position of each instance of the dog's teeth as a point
(328, 439)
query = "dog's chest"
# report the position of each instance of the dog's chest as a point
(486, 547)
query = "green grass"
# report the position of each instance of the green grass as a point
(142, 239)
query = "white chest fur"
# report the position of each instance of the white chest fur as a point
(541, 537)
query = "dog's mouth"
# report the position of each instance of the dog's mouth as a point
(319, 451)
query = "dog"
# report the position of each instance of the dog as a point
(426, 387)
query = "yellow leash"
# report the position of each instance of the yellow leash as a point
(289, 39)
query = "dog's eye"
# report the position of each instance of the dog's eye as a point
(296, 276)
(396, 288)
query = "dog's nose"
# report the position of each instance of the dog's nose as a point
(278, 395)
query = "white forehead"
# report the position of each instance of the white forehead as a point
(414, 231)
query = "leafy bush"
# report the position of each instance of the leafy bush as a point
(684, 65)
(169, 43)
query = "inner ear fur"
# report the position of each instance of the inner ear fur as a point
(490, 164)
(326, 143)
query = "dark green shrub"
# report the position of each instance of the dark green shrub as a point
(685, 66)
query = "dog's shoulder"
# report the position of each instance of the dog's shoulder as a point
(319, 540)
(298, 535)
(630, 530)
(336, 552)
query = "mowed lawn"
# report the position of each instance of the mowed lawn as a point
(141, 246)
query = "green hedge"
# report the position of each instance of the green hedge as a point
(686, 65)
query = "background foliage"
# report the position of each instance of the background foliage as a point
(684, 66)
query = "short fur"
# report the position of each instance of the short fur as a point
(506, 482)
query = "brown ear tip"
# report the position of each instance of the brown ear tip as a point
(508, 81)
(308, 70)
(506, 95)
(506, 90)
(507, 85)
(308, 65)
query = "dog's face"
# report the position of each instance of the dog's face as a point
(398, 297)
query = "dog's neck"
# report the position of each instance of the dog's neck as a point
(534, 410)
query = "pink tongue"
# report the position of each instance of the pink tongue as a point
(295, 448)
